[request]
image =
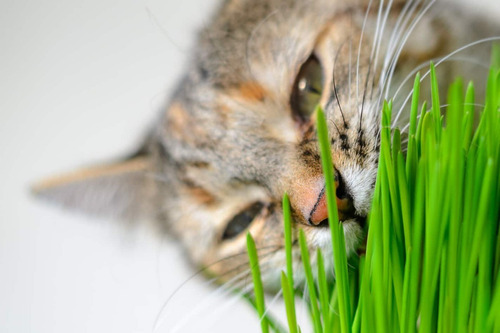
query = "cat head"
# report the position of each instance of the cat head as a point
(240, 130)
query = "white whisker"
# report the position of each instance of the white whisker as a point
(350, 71)
(359, 51)
(441, 107)
(445, 58)
(159, 322)
(427, 64)
(392, 66)
(423, 65)
(377, 28)
(272, 302)
(379, 40)
(204, 305)
(250, 39)
(402, 21)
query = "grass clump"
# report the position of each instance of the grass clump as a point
(433, 245)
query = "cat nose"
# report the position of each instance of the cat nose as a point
(319, 212)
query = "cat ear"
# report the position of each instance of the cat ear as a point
(123, 189)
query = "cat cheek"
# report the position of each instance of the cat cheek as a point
(251, 91)
(226, 258)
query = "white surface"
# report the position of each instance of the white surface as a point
(79, 82)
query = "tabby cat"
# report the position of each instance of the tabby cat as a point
(240, 129)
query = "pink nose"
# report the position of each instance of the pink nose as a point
(319, 212)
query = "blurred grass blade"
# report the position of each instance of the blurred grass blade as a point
(287, 219)
(289, 303)
(313, 300)
(257, 283)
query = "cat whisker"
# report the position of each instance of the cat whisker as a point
(395, 39)
(377, 41)
(206, 303)
(368, 73)
(272, 302)
(304, 297)
(202, 270)
(359, 49)
(404, 27)
(350, 69)
(396, 28)
(445, 58)
(237, 282)
(262, 257)
(335, 85)
(221, 310)
(411, 28)
(378, 28)
(262, 265)
(250, 38)
(379, 32)
(164, 32)
(158, 321)
(405, 128)
(381, 24)
(335, 125)
(427, 63)
(239, 294)
(401, 22)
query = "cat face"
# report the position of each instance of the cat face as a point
(240, 130)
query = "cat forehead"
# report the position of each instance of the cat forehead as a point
(261, 38)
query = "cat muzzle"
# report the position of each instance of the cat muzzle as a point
(345, 207)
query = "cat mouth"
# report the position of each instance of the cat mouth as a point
(320, 236)
(361, 220)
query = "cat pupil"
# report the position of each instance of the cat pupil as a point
(307, 89)
(242, 220)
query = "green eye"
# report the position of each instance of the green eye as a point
(307, 88)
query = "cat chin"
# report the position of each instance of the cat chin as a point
(321, 237)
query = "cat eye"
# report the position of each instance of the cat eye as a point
(242, 220)
(307, 88)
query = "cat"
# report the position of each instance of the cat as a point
(240, 129)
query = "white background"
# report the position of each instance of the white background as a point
(80, 81)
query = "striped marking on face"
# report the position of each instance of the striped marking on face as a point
(252, 91)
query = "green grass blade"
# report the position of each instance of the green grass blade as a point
(288, 296)
(468, 120)
(323, 290)
(274, 323)
(436, 105)
(257, 283)
(337, 231)
(414, 105)
(288, 242)
(316, 317)
(432, 256)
